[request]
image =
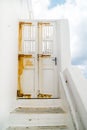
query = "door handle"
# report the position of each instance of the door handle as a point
(55, 60)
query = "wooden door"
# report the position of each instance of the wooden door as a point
(37, 61)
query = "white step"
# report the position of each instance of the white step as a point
(69, 126)
(38, 103)
(43, 114)
(40, 128)
(27, 117)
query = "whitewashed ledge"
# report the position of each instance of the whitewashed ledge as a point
(77, 85)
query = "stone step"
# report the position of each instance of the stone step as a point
(52, 116)
(40, 110)
(40, 128)
(37, 103)
(43, 114)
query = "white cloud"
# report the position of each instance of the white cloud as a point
(83, 69)
(40, 7)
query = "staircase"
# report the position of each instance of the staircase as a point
(41, 114)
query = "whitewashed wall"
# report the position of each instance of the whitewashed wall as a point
(8, 53)
(63, 44)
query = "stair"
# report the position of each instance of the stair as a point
(50, 117)
(40, 128)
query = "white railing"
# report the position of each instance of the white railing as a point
(69, 100)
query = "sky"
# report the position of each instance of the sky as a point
(76, 13)
(54, 3)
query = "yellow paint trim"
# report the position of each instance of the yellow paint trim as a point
(46, 24)
(21, 24)
(21, 66)
(21, 59)
(40, 95)
(20, 38)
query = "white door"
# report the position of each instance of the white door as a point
(39, 77)
(48, 83)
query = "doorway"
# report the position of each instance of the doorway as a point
(37, 62)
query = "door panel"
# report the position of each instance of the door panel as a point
(48, 81)
(46, 63)
(28, 81)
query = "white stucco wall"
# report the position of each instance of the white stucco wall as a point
(8, 54)
(63, 44)
(10, 13)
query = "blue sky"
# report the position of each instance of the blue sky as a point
(54, 3)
